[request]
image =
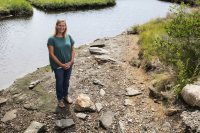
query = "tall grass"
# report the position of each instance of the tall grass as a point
(70, 4)
(15, 7)
(148, 34)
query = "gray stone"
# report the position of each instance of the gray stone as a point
(102, 92)
(106, 119)
(33, 84)
(35, 127)
(3, 100)
(81, 115)
(10, 115)
(191, 119)
(98, 106)
(191, 94)
(103, 59)
(64, 123)
(97, 82)
(97, 51)
(131, 91)
(100, 45)
(30, 106)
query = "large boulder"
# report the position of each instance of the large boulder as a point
(83, 103)
(191, 94)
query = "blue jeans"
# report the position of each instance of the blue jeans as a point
(62, 82)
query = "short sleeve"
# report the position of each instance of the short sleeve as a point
(50, 42)
(71, 40)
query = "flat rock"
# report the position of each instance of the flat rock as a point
(100, 45)
(83, 103)
(64, 123)
(35, 127)
(98, 51)
(10, 115)
(97, 82)
(33, 84)
(191, 94)
(98, 106)
(131, 91)
(81, 115)
(106, 119)
(103, 59)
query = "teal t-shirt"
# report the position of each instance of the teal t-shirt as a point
(62, 49)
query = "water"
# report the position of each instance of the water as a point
(23, 41)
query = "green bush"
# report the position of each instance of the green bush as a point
(181, 46)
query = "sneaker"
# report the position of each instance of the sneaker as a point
(61, 104)
(68, 99)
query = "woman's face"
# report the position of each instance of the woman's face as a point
(61, 27)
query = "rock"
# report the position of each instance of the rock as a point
(106, 119)
(30, 106)
(191, 119)
(81, 115)
(97, 82)
(128, 102)
(121, 127)
(10, 115)
(35, 127)
(102, 92)
(97, 51)
(98, 106)
(170, 112)
(83, 103)
(154, 93)
(64, 123)
(33, 84)
(100, 45)
(3, 100)
(135, 62)
(103, 59)
(132, 91)
(191, 94)
(166, 127)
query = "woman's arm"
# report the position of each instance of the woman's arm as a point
(55, 59)
(73, 55)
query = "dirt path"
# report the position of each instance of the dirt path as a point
(140, 114)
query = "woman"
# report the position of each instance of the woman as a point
(61, 55)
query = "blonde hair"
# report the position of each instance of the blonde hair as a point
(56, 30)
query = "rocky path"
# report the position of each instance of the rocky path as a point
(102, 72)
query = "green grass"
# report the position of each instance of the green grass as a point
(148, 34)
(71, 4)
(15, 8)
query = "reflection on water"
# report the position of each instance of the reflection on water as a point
(23, 41)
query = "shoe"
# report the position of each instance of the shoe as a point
(68, 99)
(61, 104)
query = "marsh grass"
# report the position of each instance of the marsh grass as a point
(15, 8)
(52, 5)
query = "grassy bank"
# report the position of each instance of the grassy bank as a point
(15, 8)
(55, 5)
(191, 2)
(175, 41)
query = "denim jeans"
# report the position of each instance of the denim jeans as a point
(62, 82)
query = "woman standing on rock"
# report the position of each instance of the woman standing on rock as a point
(61, 56)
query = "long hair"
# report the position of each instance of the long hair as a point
(56, 30)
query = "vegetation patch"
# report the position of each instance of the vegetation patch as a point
(15, 8)
(175, 41)
(56, 5)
